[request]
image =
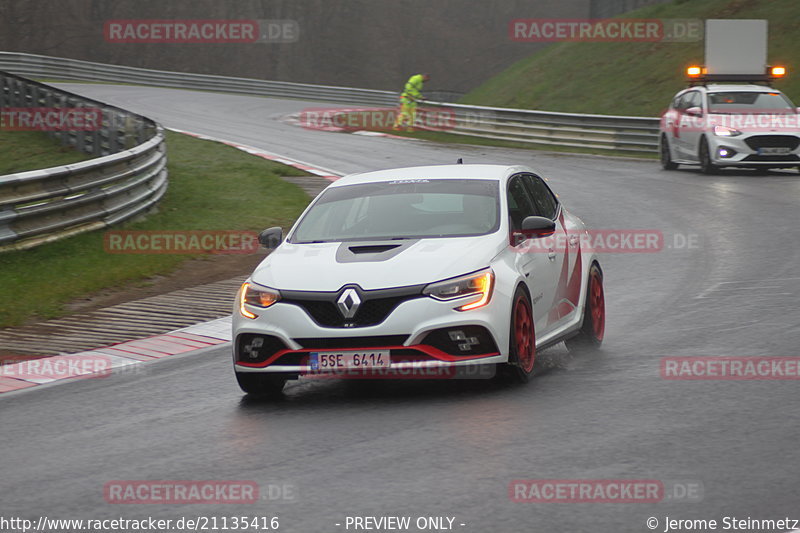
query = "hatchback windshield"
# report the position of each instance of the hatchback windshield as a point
(749, 102)
(402, 209)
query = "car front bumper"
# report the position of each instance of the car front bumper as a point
(416, 334)
(749, 150)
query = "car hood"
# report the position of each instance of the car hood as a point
(373, 265)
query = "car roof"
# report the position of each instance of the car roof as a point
(472, 171)
(731, 87)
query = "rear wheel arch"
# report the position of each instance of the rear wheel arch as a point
(592, 329)
(665, 153)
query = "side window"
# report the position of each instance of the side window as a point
(519, 203)
(542, 195)
(677, 102)
(692, 99)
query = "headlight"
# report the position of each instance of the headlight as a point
(478, 287)
(256, 296)
(725, 131)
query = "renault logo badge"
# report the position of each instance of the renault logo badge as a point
(348, 303)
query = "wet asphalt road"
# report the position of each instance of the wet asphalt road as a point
(339, 449)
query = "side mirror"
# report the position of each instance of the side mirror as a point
(271, 238)
(695, 112)
(538, 226)
(533, 228)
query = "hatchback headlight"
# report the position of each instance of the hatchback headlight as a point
(725, 131)
(478, 287)
(257, 296)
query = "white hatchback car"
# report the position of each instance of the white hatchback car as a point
(432, 267)
(730, 125)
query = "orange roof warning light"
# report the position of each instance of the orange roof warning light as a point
(694, 71)
(778, 72)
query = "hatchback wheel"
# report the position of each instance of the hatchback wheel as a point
(594, 315)
(706, 166)
(522, 340)
(666, 157)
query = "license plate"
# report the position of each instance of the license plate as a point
(774, 150)
(339, 360)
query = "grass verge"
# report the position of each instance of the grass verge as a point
(33, 150)
(211, 187)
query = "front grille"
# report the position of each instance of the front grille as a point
(772, 158)
(773, 141)
(343, 343)
(375, 305)
(371, 312)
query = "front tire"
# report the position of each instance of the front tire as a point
(590, 336)
(259, 384)
(704, 156)
(666, 157)
(522, 340)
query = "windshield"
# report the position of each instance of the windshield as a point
(399, 209)
(749, 102)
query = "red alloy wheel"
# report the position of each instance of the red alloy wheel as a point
(597, 305)
(523, 334)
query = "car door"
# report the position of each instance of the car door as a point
(678, 122)
(670, 122)
(564, 256)
(691, 126)
(534, 258)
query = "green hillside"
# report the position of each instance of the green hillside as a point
(635, 78)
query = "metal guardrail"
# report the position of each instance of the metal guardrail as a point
(598, 132)
(72, 69)
(127, 178)
(573, 130)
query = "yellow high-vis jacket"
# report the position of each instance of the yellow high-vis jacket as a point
(413, 87)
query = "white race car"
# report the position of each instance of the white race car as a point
(730, 125)
(433, 267)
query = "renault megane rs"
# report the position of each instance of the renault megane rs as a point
(426, 267)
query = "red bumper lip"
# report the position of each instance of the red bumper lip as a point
(432, 352)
